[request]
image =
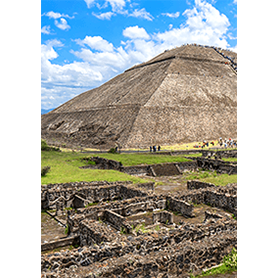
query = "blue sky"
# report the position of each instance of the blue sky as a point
(84, 43)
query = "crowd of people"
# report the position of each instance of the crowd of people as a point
(226, 143)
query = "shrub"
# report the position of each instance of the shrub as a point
(112, 150)
(45, 147)
(45, 170)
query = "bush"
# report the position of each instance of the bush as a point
(45, 170)
(45, 147)
(112, 150)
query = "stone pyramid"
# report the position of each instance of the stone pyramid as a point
(185, 94)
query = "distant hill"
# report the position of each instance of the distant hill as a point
(44, 111)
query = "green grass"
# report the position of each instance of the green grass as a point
(229, 265)
(138, 159)
(65, 168)
(211, 177)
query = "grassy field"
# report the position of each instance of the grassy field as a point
(141, 158)
(65, 168)
(211, 177)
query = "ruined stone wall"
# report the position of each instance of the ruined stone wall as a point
(118, 221)
(91, 193)
(163, 217)
(223, 167)
(195, 184)
(223, 197)
(91, 232)
(184, 208)
(208, 243)
(223, 153)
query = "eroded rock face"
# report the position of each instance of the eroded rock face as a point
(186, 94)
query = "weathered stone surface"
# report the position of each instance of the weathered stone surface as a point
(185, 94)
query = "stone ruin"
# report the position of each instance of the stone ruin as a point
(186, 94)
(175, 168)
(113, 242)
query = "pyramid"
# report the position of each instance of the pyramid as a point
(186, 94)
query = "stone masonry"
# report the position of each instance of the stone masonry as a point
(186, 94)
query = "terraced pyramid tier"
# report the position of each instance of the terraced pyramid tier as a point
(185, 94)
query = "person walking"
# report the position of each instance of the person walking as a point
(150, 149)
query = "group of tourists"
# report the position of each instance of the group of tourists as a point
(204, 144)
(233, 64)
(231, 59)
(153, 148)
(227, 143)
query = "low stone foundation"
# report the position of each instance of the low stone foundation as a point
(220, 166)
(183, 207)
(163, 217)
(195, 184)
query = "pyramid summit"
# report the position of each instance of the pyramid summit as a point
(185, 94)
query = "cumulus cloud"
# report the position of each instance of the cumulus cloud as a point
(59, 20)
(62, 24)
(136, 33)
(61, 82)
(101, 60)
(96, 43)
(172, 15)
(141, 14)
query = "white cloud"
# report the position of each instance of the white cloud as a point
(117, 5)
(89, 3)
(46, 29)
(54, 15)
(59, 20)
(135, 32)
(97, 43)
(61, 82)
(62, 24)
(103, 16)
(141, 14)
(172, 15)
(101, 60)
